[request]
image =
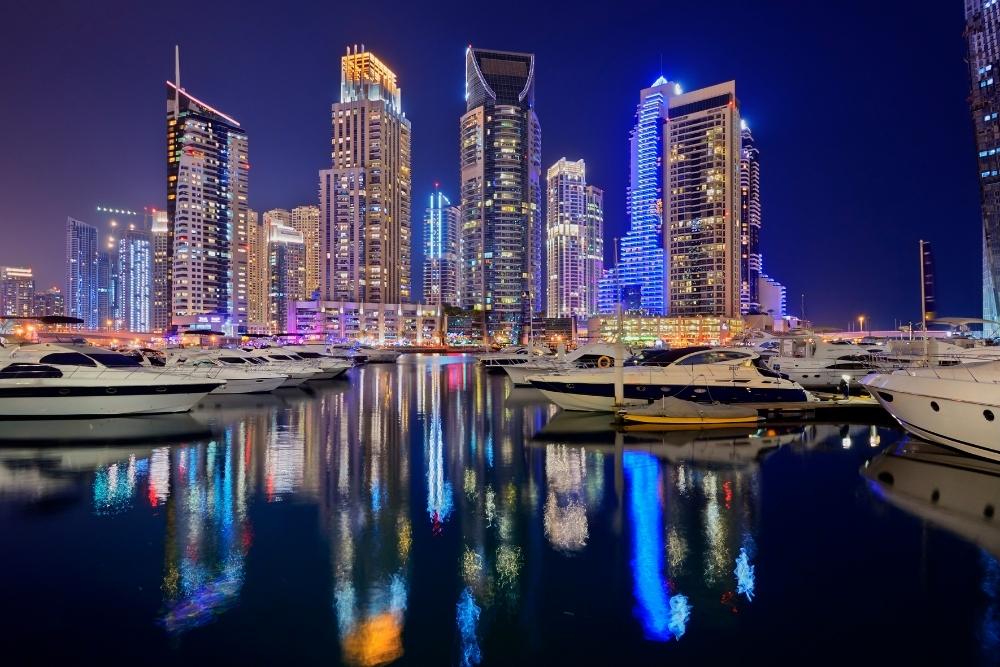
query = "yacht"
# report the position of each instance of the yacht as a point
(592, 355)
(243, 379)
(72, 380)
(701, 375)
(511, 356)
(956, 406)
(336, 364)
(281, 360)
(242, 359)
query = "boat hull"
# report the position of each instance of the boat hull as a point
(962, 418)
(54, 400)
(250, 385)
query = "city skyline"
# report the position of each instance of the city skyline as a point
(851, 211)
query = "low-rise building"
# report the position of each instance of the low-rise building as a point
(673, 331)
(373, 323)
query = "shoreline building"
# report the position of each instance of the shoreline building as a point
(17, 291)
(574, 241)
(287, 272)
(982, 30)
(207, 184)
(681, 256)
(365, 238)
(258, 274)
(442, 252)
(82, 248)
(305, 220)
(500, 168)
(49, 302)
(135, 280)
(160, 298)
(751, 261)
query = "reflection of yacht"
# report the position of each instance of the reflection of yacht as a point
(138, 428)
(704, 376)
(956, 406)
(734, 446)
(956, 492)
(71, 380)
(35, 473)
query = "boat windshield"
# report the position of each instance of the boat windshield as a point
(280, 357)
(115, 360)
(233, 360)
(67, 359)
(309, 355)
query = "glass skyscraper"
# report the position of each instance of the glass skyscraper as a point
(500, 167)
(82, 249)
(442, 252)
(982, 32)
(750, 255)
(207, 182)
(17, 291)
(135, 280)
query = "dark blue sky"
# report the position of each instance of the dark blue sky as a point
(859, 109)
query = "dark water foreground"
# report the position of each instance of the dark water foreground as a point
(428, 513)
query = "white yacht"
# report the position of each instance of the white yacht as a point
(702, 375)
(284, 361)
(592, 355)
(956, 406)
(242, 379)
(818, 364)
(242, 359)
(71, 380)
(511, 356)
(338, 365)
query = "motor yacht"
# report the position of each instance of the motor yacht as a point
(283, 361)
(727, 375)
(956, 406)
(243, 379)
(325, 362)
(242, 359)
(72, 380)
(511, 356)
(592, 355)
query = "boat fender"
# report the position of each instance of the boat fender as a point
(604, 361)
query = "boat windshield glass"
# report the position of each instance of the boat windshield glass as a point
(232, 360)
(115, 360)
(309, 355)
(21, 371)
(67, 359)
(281, 357)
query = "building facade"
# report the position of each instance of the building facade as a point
(49, 302)
(207, 185)
(365, 242)
(751, 260)
(287, 273)
(159, 314)
(574, 240)
(374, 323)
(305, 220)
(82, 249)
(982, 31)
(442, 252)
(135, 281)
(500, 166)
(17, 291)
(773, 298)
(258, 273)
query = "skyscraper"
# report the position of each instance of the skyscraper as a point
(82, 248)
(442, 252)
(49, 302)
(982, 31)
(500, 159)
(574, 243)
(160, 306)
(750, 256)
(17, 291)
(640, 270)
(258, 273)
(287, 272)
(207, 172)
(135, 280)
(305, 220)
(684, 189)
(365, 240)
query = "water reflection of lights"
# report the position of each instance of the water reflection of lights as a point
(439, 493)
(472, 566)
(874, 439)
(989, 628)
(565, 512)
(846, 442)
(467, 618)
(744, 572)
(114, 485)
(662, 617)
(508, 564)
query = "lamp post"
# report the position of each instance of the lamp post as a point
(861, 324)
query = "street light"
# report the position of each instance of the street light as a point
(861, 324)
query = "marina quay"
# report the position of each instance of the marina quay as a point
(412, 335)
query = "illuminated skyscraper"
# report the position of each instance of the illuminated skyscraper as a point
(258, 273)
(574, 243)
(500, 158)
(982, 31)
(365, 240)
(750, 256)
(287, 270)
(49, 302)
(135, 280)
(207, 172)
(305, 220)
(160, 306)
(82, 248)
(442, 252)
(684, 190)
(17, 291)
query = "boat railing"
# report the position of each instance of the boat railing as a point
(124, 373)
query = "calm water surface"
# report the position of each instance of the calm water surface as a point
(427, 513)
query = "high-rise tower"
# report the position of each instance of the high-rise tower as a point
(17, 291)
(135, 280)
(751, 261)
(207, 183)
(305, 220)
(364, 218)
(500, 159)
(160, 307)
(442, 252)
(574, 244)
(82, 249)
(982, 30)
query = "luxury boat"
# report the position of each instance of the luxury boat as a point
(289, 363)
(695, 374)
(592, 355)
(241, 359)
(70, 380)
(242, 379)
(326, 355)
(956, 406)
(511, 356)
(818, 364)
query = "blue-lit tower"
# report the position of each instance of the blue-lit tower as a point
(639, 277)
(135, 280)
(442, 252)
(82, 249)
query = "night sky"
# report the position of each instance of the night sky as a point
(859, 109)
